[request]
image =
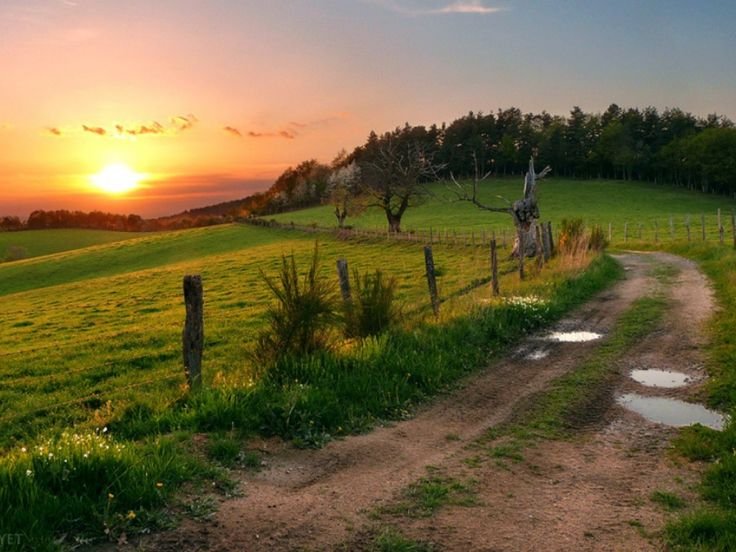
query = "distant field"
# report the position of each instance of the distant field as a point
(46, 242)
(596, 201)
(104, 323)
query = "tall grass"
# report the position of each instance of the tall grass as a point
(374, 308)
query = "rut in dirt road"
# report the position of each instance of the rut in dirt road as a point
(317, 499)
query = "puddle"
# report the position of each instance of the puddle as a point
(660, 378)
(573, 337)
(539, 354)
(671, 411)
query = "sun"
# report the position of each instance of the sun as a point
(116, 178)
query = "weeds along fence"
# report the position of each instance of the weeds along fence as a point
(717, 227)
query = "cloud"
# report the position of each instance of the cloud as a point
(153, 128)
(289, 135)
(54, 131)
(182, 123)
(468, 7)
(232, 131)
(94, 130)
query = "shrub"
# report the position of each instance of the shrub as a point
(374, 308)
(597, 240)
(572, 233)
(300, 321)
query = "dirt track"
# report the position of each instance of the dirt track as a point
(588, 494)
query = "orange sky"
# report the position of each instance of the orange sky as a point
(212, 99)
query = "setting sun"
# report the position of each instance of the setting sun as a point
(117, 178)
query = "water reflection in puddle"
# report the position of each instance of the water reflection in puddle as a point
(671, 411)
(573, 337)
(660, 378)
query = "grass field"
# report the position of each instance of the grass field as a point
(595, 201)
(104, 323)
(36, 243)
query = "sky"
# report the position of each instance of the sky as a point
(210, 100)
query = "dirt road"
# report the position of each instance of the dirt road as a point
(591, 493)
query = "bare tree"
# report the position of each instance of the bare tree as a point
(524, 212)
(393, 176)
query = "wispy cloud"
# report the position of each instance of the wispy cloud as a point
(289, 135)
(294, 129)
(182, 123)
(54, 131)
(468, 7)
(232, 131)
(94, 130)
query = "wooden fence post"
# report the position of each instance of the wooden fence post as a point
(344, 276)
(193, 334)
(539, 247)
(494, 268)
(431, 279)
(545, 243)
(522, 249)
(702, 225)
(551, 239)
(687, 225)
(626, 232)
(733, 227)
(672, 229)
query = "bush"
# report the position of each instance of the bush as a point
(597, 240)
(300, 322)
(373, 309)
(572, 233)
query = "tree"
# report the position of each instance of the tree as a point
(524, 212)
(394, 168)
(342, 192)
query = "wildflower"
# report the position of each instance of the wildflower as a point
(22, 449)
(104, 429)
(159, 484)
(29, 473)
(131, 515)
(110, 496)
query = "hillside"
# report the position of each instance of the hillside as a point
(595, 201)
(35, 243)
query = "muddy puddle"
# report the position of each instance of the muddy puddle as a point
(573, 337)
(671, 412)
(660, 378)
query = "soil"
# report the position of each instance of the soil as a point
(588, 493)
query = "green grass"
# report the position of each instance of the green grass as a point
(713, 526)
(595, 201)
(391, 540)
(46, 242)
(425, 497)
(669, 501)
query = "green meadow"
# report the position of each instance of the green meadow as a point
(91, 331)
(36, 243)
(597, 202)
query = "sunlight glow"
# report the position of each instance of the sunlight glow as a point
(117, 178)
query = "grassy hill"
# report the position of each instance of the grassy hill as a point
(104, 323)
(42, 242)
(595, 201)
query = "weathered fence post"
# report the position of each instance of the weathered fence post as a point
(539, 246)
(522, 248)
(687, 225)
(702, 225)
(494, 268)
(193, 334)
(344, 276)
(550, 237)
(733, 227)
(545, 242)
(656, 232)
(626, 232)
(672, 229)
(431, 280)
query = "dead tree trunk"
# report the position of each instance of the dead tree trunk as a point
(524, 212)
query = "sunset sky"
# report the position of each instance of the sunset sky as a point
(211, 99)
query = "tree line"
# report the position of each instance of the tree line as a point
(671, 147)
